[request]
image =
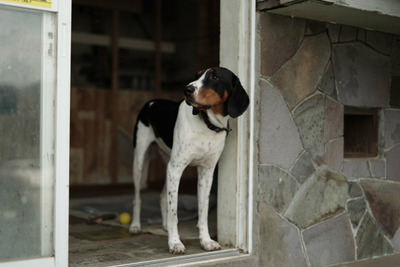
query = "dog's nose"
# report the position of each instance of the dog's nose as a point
(189, 89)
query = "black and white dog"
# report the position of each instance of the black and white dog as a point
(190, 132)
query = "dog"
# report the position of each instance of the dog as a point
(190, 132)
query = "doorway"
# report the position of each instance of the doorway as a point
(124, 55)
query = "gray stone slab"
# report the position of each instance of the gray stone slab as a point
(322, 196)
(378, 168)
(356, 209)
(393, 164)
(315, 27)
(396, 55)
(276, 186)
(384, 201)
(279, 242)
(309, 117)
(279, 140)
(359, 71)
(392, 127)
(334, 154)
(330, 242)
(302, 168)
(354, 168)
(348, 33)
(327, 83)
(380, 41)
(334, 122)
(355, 190)
(396, 241)
(370, 241)
(299, 77)
(334, 32)
(281, 37)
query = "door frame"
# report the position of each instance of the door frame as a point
(60, 50)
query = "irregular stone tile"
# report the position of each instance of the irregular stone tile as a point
(334, 115)
(355, 190)
(359, 70)
(384, 201)
(330, 242)
(370, 240)
(362, 35)
(378, 168)
(327, 84)
(334, 32)
(276, 186)
(279, 139)
(356, 209)
(348, 33)
(395, 91)
(322, 196)
(392, 164)
(309, 117)
(281, 37)
(314, 27)
(279, 242)
(392, 127)
(302, 168)
(299, 77)
(396, 55)
(396, 241)
(334, 154)
(380, 41)
(356, 169)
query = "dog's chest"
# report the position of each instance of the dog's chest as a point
(194, 141)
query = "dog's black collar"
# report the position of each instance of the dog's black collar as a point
(211, 126)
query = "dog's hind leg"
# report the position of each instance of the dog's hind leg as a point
(144, 137)
(164, 206)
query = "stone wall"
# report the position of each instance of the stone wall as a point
(315, 206)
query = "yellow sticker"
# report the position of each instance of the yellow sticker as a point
(39, 3)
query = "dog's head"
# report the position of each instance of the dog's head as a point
(217, 89)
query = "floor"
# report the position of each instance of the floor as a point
(385, 261)
(109, 243)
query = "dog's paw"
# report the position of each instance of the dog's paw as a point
(135, 229)
(177, 248)
(210, 245)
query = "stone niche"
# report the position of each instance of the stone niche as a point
(318, 203)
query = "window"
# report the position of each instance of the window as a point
(360, 133)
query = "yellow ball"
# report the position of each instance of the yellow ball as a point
(124, 218)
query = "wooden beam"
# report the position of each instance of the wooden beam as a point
(157, 41)
(134, 6)
(128, 43)
(114, 156)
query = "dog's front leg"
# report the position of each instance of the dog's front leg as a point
(174, 173)
(203, 194)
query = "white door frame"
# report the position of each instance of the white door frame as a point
(236, 167)
(59, 49)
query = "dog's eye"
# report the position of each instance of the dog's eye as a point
(214, 77)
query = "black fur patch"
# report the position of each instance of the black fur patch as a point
(161, 114)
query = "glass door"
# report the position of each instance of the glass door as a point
(33, 133)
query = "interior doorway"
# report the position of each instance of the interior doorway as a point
(124, 54)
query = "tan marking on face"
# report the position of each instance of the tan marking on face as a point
(208, 97)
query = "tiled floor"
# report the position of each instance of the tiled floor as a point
(110, 243)
(386, 261)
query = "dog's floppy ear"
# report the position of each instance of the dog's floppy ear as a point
(199, 73)
(239, 100)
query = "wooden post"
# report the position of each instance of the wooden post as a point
(114, 159)
(157, 40)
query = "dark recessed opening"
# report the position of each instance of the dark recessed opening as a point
(360, 133)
